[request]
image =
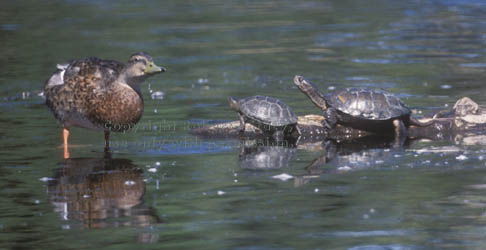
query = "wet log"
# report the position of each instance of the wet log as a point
(466, 118)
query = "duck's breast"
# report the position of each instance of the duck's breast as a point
(120, 109)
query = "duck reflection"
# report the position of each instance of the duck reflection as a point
(265, 154)
(101, 192)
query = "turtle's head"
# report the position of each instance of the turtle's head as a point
(234, 104)
(303, 84)
(311, 90)
(140, 66)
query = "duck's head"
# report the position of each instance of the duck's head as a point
(140, 66)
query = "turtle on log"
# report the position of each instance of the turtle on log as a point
(371, 110)
(269, 114)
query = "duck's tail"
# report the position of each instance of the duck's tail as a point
(58, 77)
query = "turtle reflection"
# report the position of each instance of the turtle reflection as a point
(265, 154)
(362, 153)
(101, 192)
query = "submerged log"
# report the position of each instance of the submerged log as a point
(465, 118)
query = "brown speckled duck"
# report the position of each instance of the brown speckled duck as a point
(99, 94)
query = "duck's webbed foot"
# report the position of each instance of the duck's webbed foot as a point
(65, 136)
(107, 140)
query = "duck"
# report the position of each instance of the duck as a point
(99, 94)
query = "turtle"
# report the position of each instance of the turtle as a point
(269, 114)
(99, 94)
(463, 107)
(372, 110)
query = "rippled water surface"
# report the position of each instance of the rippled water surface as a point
(163, 187)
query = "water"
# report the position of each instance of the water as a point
(164, 188)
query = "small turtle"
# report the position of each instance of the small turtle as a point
(463, 107)
(269, 114)
(366, 109)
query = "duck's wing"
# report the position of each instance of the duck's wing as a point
(94, 70)
(71, 88)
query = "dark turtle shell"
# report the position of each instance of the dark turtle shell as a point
(267, 110)
(369, 104)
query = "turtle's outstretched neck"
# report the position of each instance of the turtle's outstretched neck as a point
(311, 90)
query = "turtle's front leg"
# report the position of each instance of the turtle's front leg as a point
(299, 133)
(242, 124)
(278, 135)
(330, 115)
(400, 132)
(400, 129)
(297, 129)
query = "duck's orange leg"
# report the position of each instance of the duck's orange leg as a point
(65, 136)
(107, 140)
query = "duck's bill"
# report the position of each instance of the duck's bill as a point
(154, 69)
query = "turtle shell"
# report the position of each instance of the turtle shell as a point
(267, 110)
(369, 104)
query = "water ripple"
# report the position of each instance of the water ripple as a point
(372, 60)
(174, 146)
(473, 65)
(374, 233)
(385, 247)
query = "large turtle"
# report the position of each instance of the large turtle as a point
(371, 110)
(269, 114)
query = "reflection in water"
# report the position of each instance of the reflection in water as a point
(263, 154)
(365, 152)
(100, 193)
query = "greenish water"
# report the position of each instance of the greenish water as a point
(165, 188)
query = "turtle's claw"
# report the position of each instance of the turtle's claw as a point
(326, 125)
